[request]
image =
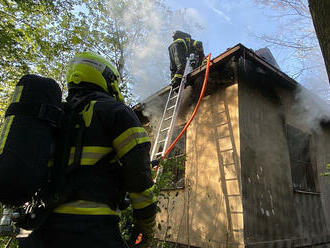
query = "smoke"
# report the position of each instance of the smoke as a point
(310, 109)
(151, 24)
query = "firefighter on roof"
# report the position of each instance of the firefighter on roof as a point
(114, 161)
(181, 47)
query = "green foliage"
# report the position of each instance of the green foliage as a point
(40, 36)
(164, 181)
(327, 173)
(4, 241)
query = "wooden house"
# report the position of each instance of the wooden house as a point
(253, 163)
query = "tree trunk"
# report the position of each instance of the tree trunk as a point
(320, 10)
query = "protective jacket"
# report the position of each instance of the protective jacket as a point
(179, 50)
(114, 160)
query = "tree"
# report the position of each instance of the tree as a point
(28, 42)
(320, 11)
(297, 37)
(295, 32)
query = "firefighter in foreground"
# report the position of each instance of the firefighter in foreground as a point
(181, 47)
(114, 160)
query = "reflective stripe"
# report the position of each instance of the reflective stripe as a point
(195, 43)
(5, 131)
(90, 154)
(177, 76)
(17, 94)
(87, 113)
(143, 199)
(181, 40)
(91, 62)
(85, 208)
(129, 139)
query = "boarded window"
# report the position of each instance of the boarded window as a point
(302, 170)
(174, 168)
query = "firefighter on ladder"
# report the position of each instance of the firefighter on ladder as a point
(90, 217)
(179, 50)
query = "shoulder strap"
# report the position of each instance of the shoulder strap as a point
(47, 112)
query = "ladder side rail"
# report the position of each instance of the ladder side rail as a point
(173, 121)
(188, 68)
(160, 126)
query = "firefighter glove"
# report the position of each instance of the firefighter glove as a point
(146, 228)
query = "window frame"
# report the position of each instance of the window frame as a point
(309, 182)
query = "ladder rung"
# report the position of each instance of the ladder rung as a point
(222, 112)
(170, 107)
(176, 96)
(165, 129)
(236, 212)
(228, 164)
(168, 118)
(227, 150)
(176, 88)
(158, 153)
(161, 141)
(231, 179)
(222, 124)
(222, 137)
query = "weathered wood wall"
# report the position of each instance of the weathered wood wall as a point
(208, 212)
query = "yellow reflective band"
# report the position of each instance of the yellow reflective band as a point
(143, 199)
(195, 43)
(5, 131)
(129, 139)
(90, 154)
(50, 163)
(85, 208)
(87, 113)
(181, 40)
(17, 94)
(177, 76)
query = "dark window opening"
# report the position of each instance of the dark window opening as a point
(174, 167)
(302, 171)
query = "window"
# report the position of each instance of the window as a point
(174, 167)
(300, 159)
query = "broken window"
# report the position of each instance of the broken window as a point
(302, 170)
(174, 167)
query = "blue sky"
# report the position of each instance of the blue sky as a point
(225, 23)
(228, 23)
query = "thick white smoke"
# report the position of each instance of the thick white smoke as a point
(147, 53)
(310, 109)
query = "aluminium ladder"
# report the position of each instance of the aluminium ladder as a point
(170, 114)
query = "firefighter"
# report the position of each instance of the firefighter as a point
(114, 160)
(181, 47)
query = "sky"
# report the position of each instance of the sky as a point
(224, 24)
(228, 22)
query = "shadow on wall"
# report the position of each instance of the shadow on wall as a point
(208, 212)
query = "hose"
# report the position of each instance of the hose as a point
(169, 149)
